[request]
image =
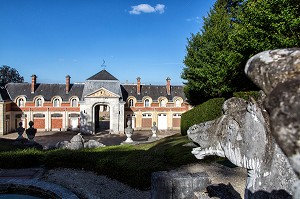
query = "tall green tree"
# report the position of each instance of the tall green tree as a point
(8, 74)
(234, 31)
(210, 61)
(266, 25)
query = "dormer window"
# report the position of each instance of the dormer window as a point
(147, 103)
(163, 103)
(74, 102)
(56, 103)
(20, 102)
(130, 102)
(178, 102)
(38, 102)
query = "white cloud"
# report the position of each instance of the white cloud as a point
(194, 19)
(160, 8)
(146, 8)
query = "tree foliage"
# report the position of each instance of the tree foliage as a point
(233, 31)
(8, 74)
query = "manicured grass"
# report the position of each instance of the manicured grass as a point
(130, 164)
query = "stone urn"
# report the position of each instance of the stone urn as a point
(128, 132)
(30, 132)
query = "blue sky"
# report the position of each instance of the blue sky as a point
(55, 38)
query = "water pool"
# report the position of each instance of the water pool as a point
(32, 189)
(17, 196)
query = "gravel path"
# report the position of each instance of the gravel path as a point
(86, 184)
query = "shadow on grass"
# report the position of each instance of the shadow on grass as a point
(130, 164)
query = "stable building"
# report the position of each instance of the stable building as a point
(100, 103)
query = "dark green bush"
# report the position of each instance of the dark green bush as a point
(246, 95)
(21, 159)
(206, 111)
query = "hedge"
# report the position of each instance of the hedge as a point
(206, 111)
(246, 95)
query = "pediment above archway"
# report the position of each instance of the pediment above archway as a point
(102, 92)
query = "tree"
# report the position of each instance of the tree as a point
(210, 61)
(8, 74)
(266, 25)
(233, 32)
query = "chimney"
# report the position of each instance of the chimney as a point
(138, 86)
(168, 86)
(68, 84)
(33, 83)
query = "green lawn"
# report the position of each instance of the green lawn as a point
(130, 164)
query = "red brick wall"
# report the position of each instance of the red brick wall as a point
(39, 123)
(176, 122)
(146, 122)
(56, 123)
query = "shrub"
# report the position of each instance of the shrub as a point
(21, 158)
(206, 111)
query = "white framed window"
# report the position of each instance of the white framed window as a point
(147, 103)
(74, 102)
(178, 103)
(147, 115)
(177, 115)
(21, 102)
(163, 103)
(38, 102)
(130, 103)
(56, 102)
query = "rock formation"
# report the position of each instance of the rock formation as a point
(78, 142)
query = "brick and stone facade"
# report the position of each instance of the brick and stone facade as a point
(101, 101)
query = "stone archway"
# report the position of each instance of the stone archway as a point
(102, 116)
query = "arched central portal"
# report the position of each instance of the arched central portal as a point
(102, 118)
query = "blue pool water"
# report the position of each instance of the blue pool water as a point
(17, 196)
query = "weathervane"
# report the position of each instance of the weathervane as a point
(103, 64)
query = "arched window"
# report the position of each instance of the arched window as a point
(74, 102)
(130, 102)
(21, 102)
(38, 102)
(177, 103)
(147, 103)
(162, 103)
(56, 102)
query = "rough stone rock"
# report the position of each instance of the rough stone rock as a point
(174, 184)
(77, 142)
(62, 145)
(77, 138)
(283, 99)
(243, 136)
(269, 68)
(93, 144)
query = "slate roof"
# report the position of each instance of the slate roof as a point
(102, 75)
(94, 85)
(102, 79)
(153, 91)
(46, 90)
(3, 94)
